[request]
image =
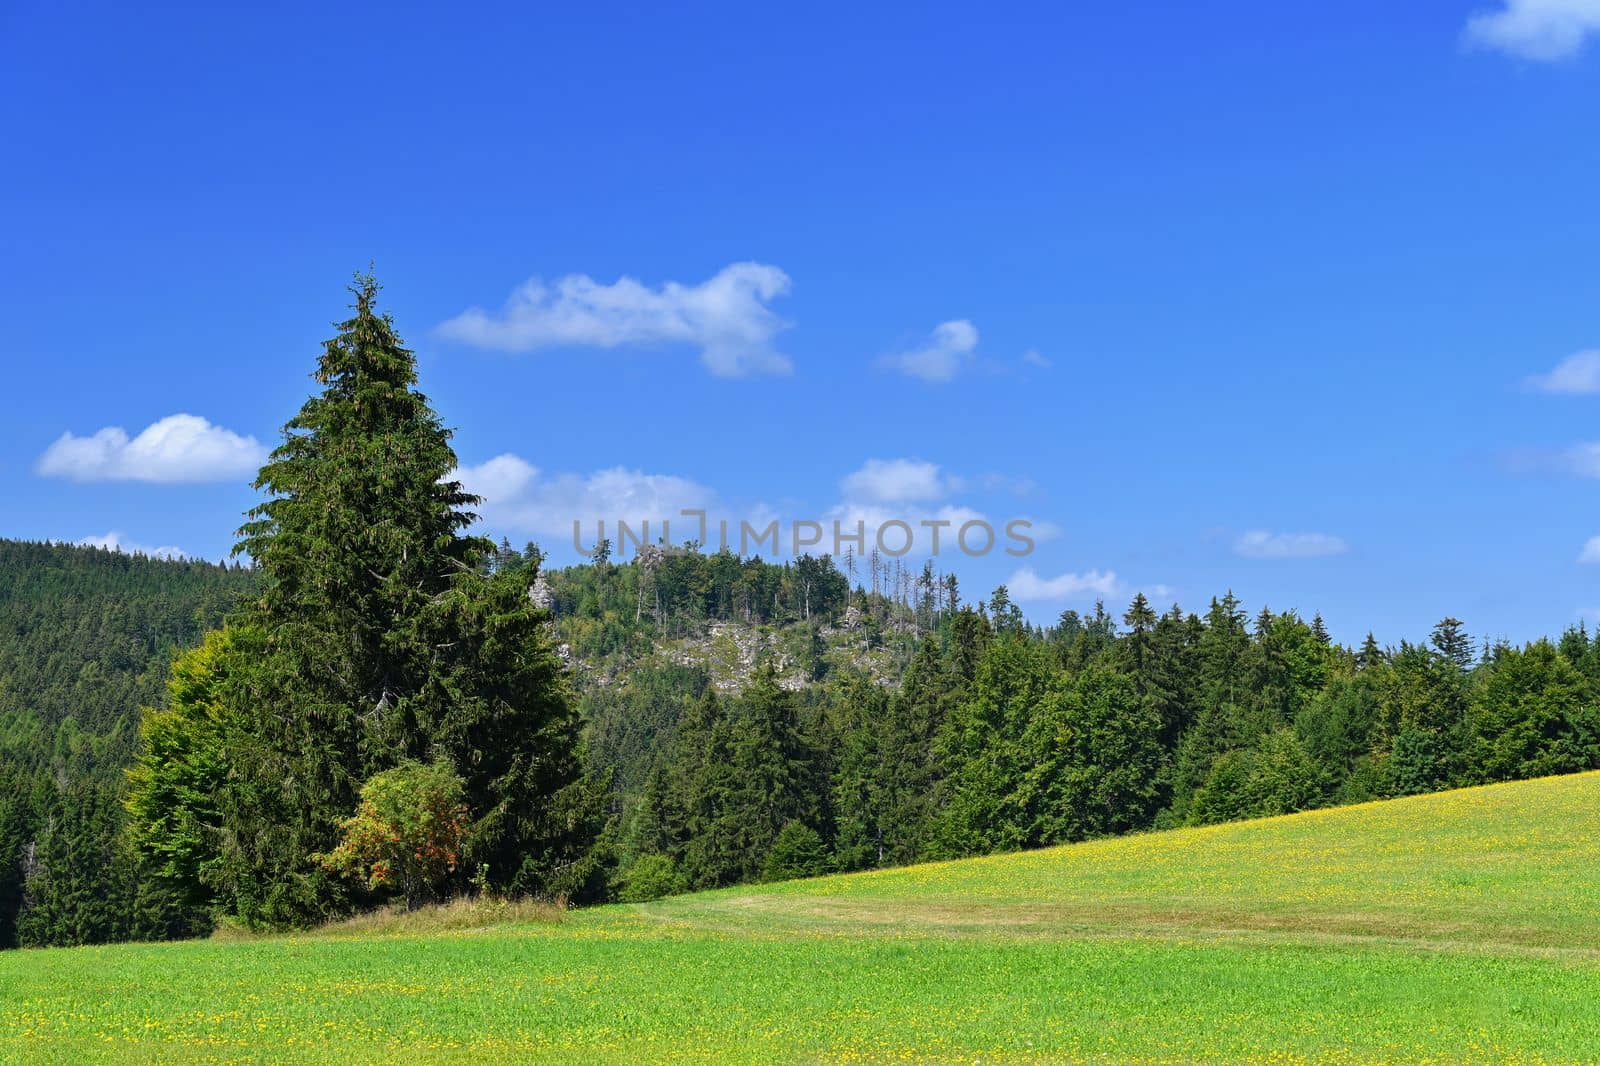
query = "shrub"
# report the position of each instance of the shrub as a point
(797, 852)
(651, 877)
(408, 834)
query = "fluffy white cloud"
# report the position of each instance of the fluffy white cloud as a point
(1032, 357)
(177, 448)
(1264, 544)
(1026, 585)
(726, 317)
(1591, 551)
(1541, 30)
(1576, 375)
(114, 541)
(895, 481)
(516, 496)
(939, 360)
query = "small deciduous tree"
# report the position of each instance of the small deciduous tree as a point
(173, 821)
(408, 834)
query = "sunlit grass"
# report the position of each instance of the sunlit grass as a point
(1463, 927)
(455, 916)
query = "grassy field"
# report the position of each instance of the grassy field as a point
(1462, 927)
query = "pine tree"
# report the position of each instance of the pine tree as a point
(861, 787)
(1450, 639)
(1371, 654)
(1140, 618)
(705, 777)
(776, 772)
(385, 641)
(912, 780)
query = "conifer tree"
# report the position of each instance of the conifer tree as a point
(1140, 619)
(776, 779)
(82, 883)
(385, 640)
(912, 778)
(1371, 654)
(16, 833)
(702, 757)
(861, 778)
(1450, 639)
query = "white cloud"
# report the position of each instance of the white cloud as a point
(1541, 30)
(1576, 375)
(1591, 551)
(895, 481)
(1033, 358)
(914, 480)
(909, 491)
(113, 542)
(949, 347)
(516, 496)
(1027, 585)
(177, 448)
(726, 317)
(1264, 544)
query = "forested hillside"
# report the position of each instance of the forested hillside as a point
(762, 721)
(752, 720)
(86, 636)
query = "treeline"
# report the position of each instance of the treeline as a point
(996, 735)
(605, 607)
(1004, 736)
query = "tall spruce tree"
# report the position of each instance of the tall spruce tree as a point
(385, 639)
(778, 777)
(933, 685)
(704, 750)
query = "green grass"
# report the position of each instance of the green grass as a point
(1463, 927)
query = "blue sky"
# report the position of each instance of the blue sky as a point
(1263, 296)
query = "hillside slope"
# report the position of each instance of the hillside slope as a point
(1511, 866)
(1459, 927)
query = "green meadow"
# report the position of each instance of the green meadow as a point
(1460, 927)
